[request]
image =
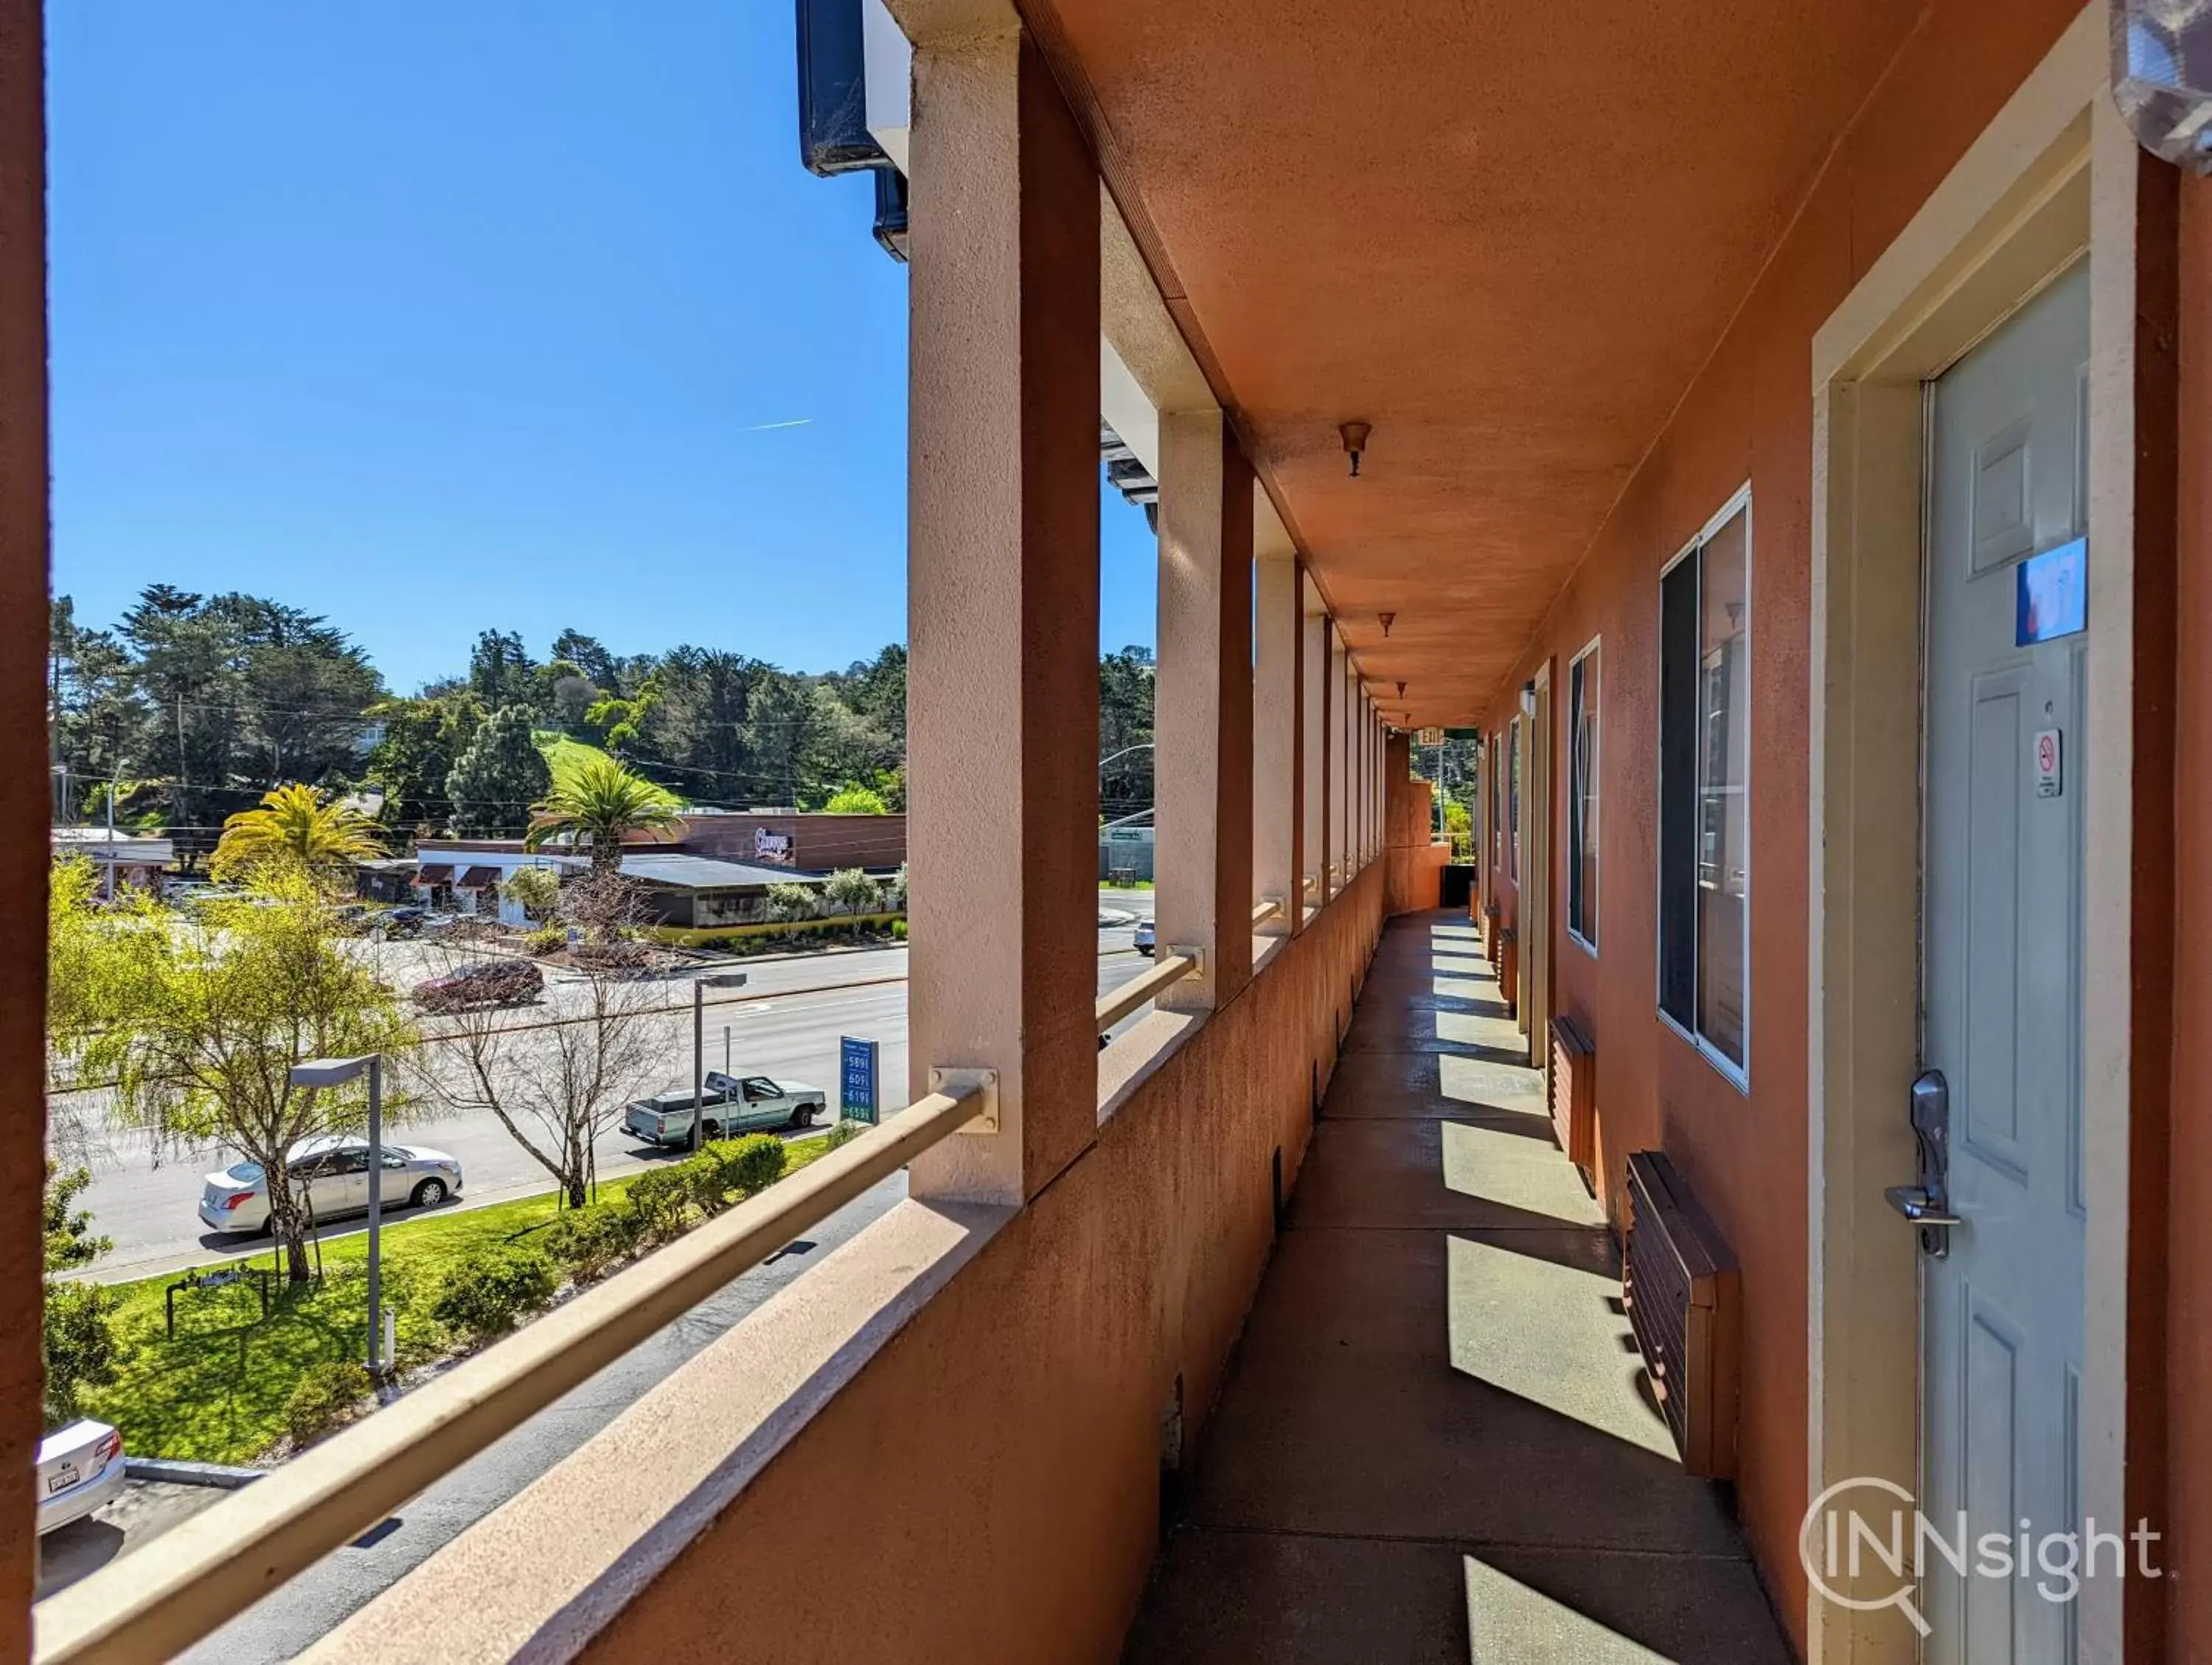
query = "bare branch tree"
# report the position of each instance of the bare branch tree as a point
(554, 1086)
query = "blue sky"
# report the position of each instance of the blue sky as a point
(439, 318)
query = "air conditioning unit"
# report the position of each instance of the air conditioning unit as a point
(1684, 1304)
(1574, 1093)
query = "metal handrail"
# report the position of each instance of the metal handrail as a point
(179, 1588)
(1170, 969)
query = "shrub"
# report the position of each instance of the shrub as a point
(705, 1186)
(750, 1165)
(843, 1134)
(327, 1396)
(587, 1241)
(490, 1289)
(899, 929)
(849, 891)
(546, 939)
(659, 1200)
(792, 901)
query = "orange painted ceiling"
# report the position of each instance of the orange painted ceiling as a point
(1506, 233)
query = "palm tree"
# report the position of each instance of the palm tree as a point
(294, 826)
(598, 801)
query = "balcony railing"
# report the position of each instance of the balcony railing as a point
(1168, 970)
(183, 1585)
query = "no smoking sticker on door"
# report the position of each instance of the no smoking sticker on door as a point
(2050, 764)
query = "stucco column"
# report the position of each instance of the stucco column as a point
(1313, 634)
(25, 787)
(1278, 740)
(1202, 708)
(1002, 683)
(1340, 789)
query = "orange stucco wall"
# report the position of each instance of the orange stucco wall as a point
(987, 1489)
(1413, 862)
(1749, 418)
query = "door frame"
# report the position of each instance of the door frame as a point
(2054, 173)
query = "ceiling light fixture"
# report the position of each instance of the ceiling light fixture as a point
(1389, 619)
(1354, 435)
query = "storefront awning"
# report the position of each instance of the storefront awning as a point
(480, 878)
(435, 872)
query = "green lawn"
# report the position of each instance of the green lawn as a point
(563, 752)
(216, 1392)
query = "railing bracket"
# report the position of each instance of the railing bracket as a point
(957, 1083)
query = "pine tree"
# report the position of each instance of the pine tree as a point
(497, 779)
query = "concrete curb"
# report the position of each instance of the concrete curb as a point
(221, 1475)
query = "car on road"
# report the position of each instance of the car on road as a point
(1146, 938)
(330, 1176)
(486, 982)
(735, 1104)
(80, 1467)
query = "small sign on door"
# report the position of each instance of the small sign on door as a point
(2050, 764)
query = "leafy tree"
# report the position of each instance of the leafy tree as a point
(599, 802)
(294, 828)
(589, 656)
(423, 738)
(499, 668)
(499, 776)
(791, 902)
(849, 891)
(856, 799)
(82, 1349)
(537, 890)
(1125, 727)
(225, 1000)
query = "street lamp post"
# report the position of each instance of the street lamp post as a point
(336, 1073)
(699, 987)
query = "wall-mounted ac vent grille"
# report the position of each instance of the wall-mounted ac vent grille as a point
(1574, 1093)
(1684, 1303)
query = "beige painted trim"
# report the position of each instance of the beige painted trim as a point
(2053, 172)
(1136, 325)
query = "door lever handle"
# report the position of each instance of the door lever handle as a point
(1916, 1205)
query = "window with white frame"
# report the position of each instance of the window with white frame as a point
(1581, 797)
(1513, 802)
(1704, 765)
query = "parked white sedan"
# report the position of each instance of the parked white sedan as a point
(330, 1176)
(80, 1467)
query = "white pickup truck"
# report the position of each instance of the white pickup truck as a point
(735, 1105)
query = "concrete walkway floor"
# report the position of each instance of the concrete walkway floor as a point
(1436, 1442)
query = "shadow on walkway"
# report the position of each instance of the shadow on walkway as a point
(1435, 1442)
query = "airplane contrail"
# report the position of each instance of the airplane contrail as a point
(763, 426)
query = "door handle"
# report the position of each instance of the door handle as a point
(1916, 1205)
(1928, 1204)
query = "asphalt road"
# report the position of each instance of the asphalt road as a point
(785, 1023)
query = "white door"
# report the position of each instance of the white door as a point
(2002, 1310)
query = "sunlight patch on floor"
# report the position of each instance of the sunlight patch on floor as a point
(1472, 1028)
(1551, 1335)
(1495, 1086)
(1509, 1624)
(1515, 1172)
